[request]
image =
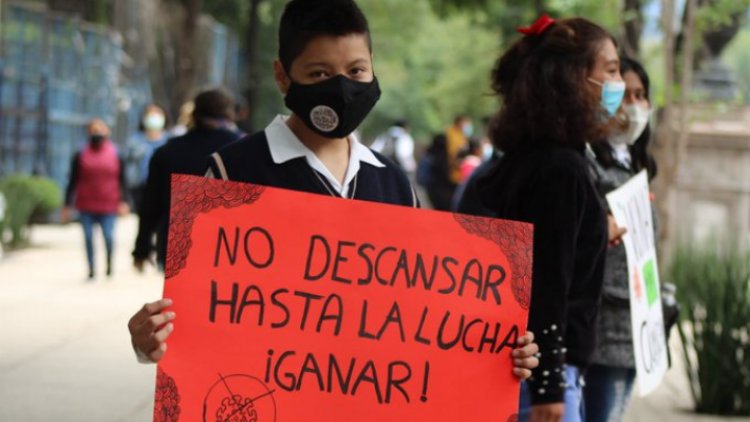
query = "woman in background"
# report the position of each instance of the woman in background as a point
(561, 87)
(97, 189)
(151, 135)
(609, 380)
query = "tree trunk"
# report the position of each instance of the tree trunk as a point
(688, 59)
(663, 137)
(253, 70)
(632, 28)
(186, 59)
(671, 146)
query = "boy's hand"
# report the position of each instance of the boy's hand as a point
(552, 412)
(524, 359)
(149, 329)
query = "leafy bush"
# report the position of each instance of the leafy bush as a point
(714, 292)
(25, 196)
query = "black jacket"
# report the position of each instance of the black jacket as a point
(550, 187)
(187, 154)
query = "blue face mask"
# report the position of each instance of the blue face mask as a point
(612, 94)
(468, 130)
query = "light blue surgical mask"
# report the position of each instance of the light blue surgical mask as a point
(154, 121)
(487, 151)
(612, 94)
(468, 130)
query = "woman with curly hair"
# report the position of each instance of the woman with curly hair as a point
(560, 85)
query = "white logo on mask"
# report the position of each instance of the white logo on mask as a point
(324, 118)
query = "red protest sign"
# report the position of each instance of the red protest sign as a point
(300, 307)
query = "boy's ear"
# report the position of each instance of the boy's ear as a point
(282, 79)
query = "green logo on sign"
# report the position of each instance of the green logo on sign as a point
(652, 287)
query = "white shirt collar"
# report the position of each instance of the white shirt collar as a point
(284, 146)
(621, 153)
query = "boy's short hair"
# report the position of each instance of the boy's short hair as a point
(303, 20)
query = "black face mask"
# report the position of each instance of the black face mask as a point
(335, 107)
(96, 141)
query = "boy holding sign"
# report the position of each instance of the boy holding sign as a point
(326, 73)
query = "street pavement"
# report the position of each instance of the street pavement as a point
(65, 351)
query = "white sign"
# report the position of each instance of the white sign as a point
(631, 208)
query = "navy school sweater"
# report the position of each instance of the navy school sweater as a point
(249, 160)
(185, 154)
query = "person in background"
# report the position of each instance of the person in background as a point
(184, 120)
(97, 189)
(213, 114)
(471, 160)
(457, 139)
(609, 380)
(466, 199)
(488, 150)
(151, 135)
(561, 86)
(433, 174)
(397, 145)
(242, 115)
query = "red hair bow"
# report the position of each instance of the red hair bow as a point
(538, 27)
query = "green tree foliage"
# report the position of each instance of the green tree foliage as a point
(433, 57)
(259, 48)
(737, 57)
(430, 67)
(717, 14)
(507, 15)
(714, 293)
(232, 13)
(269, 101)
(98, 11)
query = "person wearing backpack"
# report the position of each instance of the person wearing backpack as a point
(212, 115)
(397, 145)
(434, 175)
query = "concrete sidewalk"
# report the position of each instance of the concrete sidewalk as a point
(64, 346)
(65, 353)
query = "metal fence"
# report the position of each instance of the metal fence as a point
(57, 73)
